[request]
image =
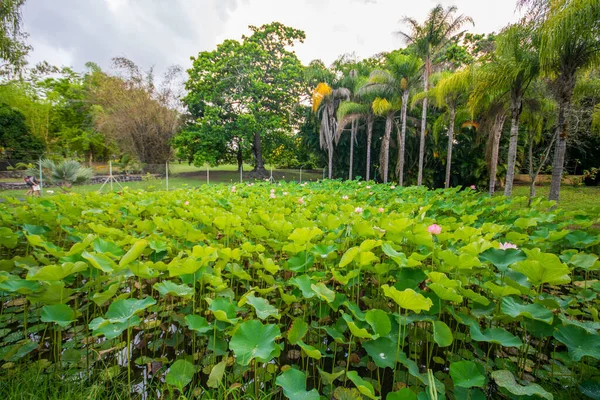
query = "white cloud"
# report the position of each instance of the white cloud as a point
(161, 33)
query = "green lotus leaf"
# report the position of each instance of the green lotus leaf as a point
(8, 238)
(323, 292)
(382, 351)
(304, 283)
(442, 334)
(591, 389)
(60, 314)
(506, 380)
(343, 393)
(402, 394)
(323, 251)
(223, 310)
(216, 374)
(14, 284)
(180, 374)
(502, 259)
(355, 330)
(445, 293)
(534, 311)
(122, 310)
(495, 335)
(134, 252)
(102, 297)
(408, 299)
(56, 272)
(398, 257)
(297, 331)
(198, 324)
(253, 340)
(293, 383)
(300, 262)
(584, 261)
(379, 321)
(579, 342)
(349, 256)
(328, 378)
(302, 236)
(467, 374)
(169, 288)
(501, 291)
(19, 350)
(363, 386)
(310, 351)
(100, 261)
(262, 307)
(108, 248)
(111, 330)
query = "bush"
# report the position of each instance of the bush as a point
(591, 177)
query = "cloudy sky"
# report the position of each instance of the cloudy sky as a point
(165, 32)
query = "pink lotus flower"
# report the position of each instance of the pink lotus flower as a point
(507, 245)
(370, 193)
(473, 187)
(434, 229)
(233, 189)
(285, 193)
(301, 200)
(358, 210)
(359, 183)
(392, 187)
(272, 190)
(381, 209)
(272, 195)
(344, 197)
(187, 203)
(368, 187)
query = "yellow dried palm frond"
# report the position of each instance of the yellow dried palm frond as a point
(381, 106)
(470, 124)
(321, 91)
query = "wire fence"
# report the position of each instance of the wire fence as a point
(115, 176)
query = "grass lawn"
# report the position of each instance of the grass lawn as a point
(584, 198)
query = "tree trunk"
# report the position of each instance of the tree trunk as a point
(423, 123)
(559, 154)
(352, 138)
(369, 139)
(90, 158)
(496, 133)
(402, 141)
(259, 167)
(450, 143)
(512, 148)
(385, 146)
(240, 160)
(330, 161)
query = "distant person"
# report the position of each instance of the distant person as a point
(34, 186)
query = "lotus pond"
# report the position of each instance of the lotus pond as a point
(321, 291)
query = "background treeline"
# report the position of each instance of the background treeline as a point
(448, 108)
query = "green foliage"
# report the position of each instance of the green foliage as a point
(16, 142)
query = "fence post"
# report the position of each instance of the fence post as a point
(323, 173)
(241, 173)
(167, 174)
(110, 174)
(41, 178)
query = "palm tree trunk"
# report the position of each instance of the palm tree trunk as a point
(402, 141)
(330, 160)
(450, 143)
(561, 147)
(352, 138)
(532, 175)
(423, 122)
(512, 148)
(369, 139)
(496, 133)
(385, 146)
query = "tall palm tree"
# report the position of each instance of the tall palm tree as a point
(351, 112)
(515, 66)
(451, 92)
(395, 83)
(388, 109)
(570, 43)
(428, 40)
(325, 101)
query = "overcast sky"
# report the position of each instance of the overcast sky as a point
(165, 32)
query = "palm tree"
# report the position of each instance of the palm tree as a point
(515, 66)
(451, 92)
(428, 40)
(325, 101)
(388, 109)
(64, 174)
(351, 112)
(395, 83)
(570, 42)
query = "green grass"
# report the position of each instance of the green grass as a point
(581, 198)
